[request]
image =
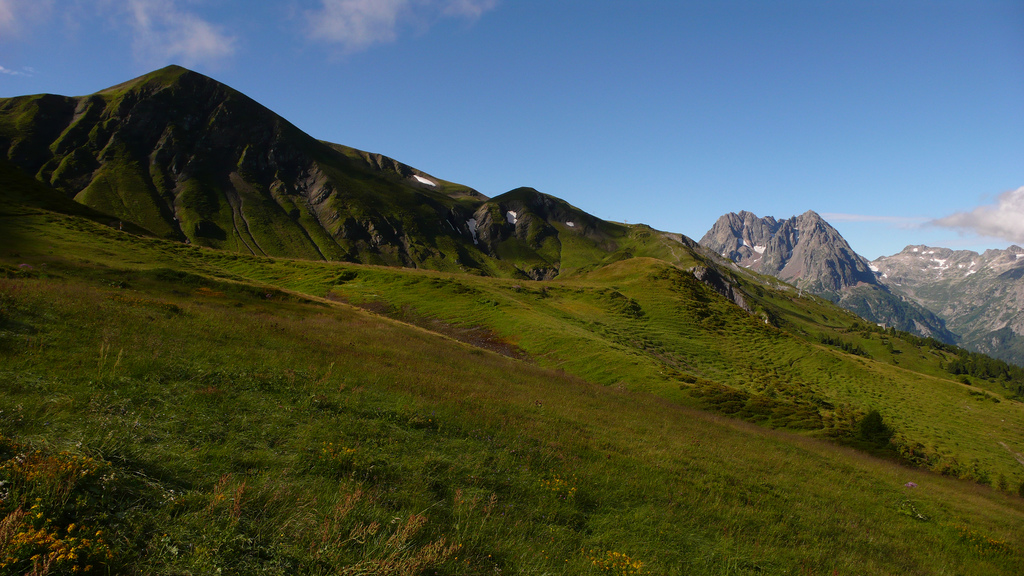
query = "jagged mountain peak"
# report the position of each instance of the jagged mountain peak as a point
(808, 252)
(804, 249)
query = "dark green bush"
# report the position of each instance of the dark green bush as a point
(874, 430)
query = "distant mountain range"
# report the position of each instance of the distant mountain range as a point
(954, 296)
(980, 296)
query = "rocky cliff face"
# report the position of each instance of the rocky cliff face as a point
(804, 250)
(980, 296)
(808, 252)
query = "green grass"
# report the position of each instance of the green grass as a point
(209, 411)
(208, 456)
(650, 326)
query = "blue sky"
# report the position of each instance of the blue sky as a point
(900, 122)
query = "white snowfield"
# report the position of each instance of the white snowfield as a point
(471, 223)
(423, 180)
(570, 224)
(512, 217)
(760, 249)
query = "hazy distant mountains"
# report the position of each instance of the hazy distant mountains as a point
(976, 300)
(980, 296)
(808, 252)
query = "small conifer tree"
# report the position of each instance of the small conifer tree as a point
(874, 430)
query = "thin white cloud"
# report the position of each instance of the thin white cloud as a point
(23, 72)
(901, 221)
(355, 25)
(17, 15)
(1004, 219)
(469, 8)
(165, 33)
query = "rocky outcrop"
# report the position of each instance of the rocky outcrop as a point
(717, 282)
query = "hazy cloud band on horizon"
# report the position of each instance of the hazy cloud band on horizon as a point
(1004, 219)
(358, 24)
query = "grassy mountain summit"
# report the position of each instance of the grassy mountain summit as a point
(190, 159)
(649, 408)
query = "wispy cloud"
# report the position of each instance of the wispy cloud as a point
(16, 15)
(900, 221)
(22, 72)
(468, 8)
(1004, 219)
(165, 33)
(355, 25)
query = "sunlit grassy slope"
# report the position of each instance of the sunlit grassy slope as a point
(169, 409)
(649, 325)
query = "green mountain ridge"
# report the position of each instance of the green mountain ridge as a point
(189, 159)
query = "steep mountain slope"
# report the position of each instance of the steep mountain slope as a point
(694, 333)
(809, 253)
(189, 159)
(980, 296)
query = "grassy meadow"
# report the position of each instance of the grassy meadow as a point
(168, 409)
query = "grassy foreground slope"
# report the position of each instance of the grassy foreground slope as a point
(649, 325)
(159, 420)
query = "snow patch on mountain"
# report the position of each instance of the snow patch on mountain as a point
(512, 217)
(423, 180)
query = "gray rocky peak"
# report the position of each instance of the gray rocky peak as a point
(804, 250)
